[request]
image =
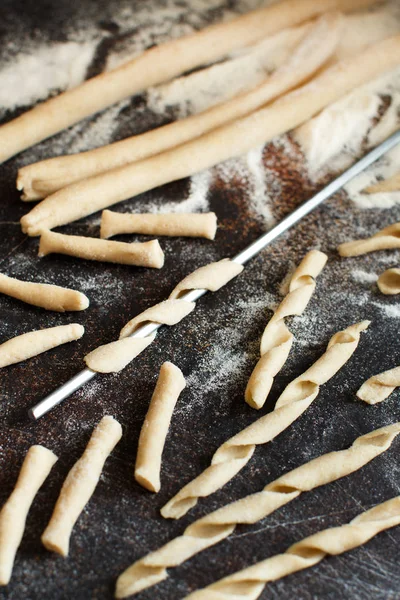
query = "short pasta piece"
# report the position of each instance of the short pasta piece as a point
(173, 225)
(218, 525)
(249, 583)
(155, 427)
(34, 471)
(147, 254)
(386, 239)
(379, 387)
(389, 282)
(236, 452)
(33, 343)
(277, 340)
(80, 484)
(45, 295)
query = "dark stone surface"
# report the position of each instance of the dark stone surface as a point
(216, 347)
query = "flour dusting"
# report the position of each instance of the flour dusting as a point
(49, 68)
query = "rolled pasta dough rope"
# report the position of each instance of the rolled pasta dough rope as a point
(80, 484)
(385, 239)
(41, 179)
(147, 254)
(33, 343)
(249, 583)
(236, 452)
(389, 185)
(115, 356)
(101, 191)
(158, 64)
(48, 296)
(182, 224)
(277, 340)
(379, 387)
(219, 524)
(35, 468)
(155, 427)
(389, 282)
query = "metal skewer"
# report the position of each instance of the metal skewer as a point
(243, 257)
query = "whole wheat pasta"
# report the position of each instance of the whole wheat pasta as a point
(236, 452)
(33, 343)
(218, 525)
(156, 65)
(249, 583)
(101, 191)
(379, 387)
(147, 254)
(115, 356)
(388, 185)
(211, 277)
(155, 427)
(389, 282)
(80, 484)
(41, 179)
(277, 340)
(35, 468)
(385, 239)
(169, 312)
(181, 224)
(46, 295)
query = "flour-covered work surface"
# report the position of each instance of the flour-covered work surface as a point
(346, 331)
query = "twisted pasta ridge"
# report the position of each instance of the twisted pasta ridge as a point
(219, 524)
(388, 185)
(385, 239)
(389, 282)
(277, 340)
(249, 583)
(379, 387)
(113, 357)
(236, 452)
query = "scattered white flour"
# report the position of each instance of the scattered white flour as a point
(391, 310)
(382, 169)
(364, 277)
(341, 126)
(332, 140)
(35, 74)
(259, 198)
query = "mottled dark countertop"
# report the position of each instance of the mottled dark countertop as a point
(216, 347)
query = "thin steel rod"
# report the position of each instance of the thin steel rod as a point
(243, 257)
